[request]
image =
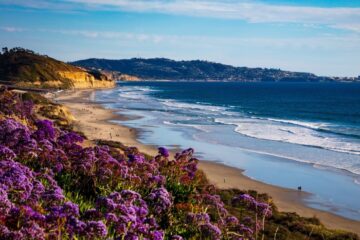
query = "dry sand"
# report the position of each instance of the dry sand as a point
(95, 122)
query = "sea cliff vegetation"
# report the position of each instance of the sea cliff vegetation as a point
(55, 184)
(25, 68)
(197, 70)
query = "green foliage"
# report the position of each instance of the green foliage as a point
(180, 192)
(24, 68)
(78, 198)
(35, 98)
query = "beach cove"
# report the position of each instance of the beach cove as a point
(98, 123)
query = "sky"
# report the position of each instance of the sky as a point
(318, 36)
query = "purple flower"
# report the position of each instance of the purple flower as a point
(34, 231)
(53, 196)
(176, 237)
(160, 199)
(163, 152)
(244, 198)
(264, 209)
(198, 218)
(245, 230)
(111, 218)
(231, 221)
(210, 231)
(6, 153)
(157, 235)
(17, 179)
(137, 158)
(95, 229)
(107, 204)
(92, 214)
(70, 209)
(5, 203)
(45, 130)
(75, 226)
(69, 138)
(158, 179)
(129, 195)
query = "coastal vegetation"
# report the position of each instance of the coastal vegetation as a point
(56, 184)
(25, 68)
(166, 69)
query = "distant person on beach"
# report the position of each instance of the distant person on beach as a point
(299, 188)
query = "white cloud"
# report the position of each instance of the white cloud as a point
(12, 29)
(326, 42)
(114, 35)
(252, 11)
(355, 27)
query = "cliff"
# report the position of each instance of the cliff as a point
(118, 75)
(24, 68)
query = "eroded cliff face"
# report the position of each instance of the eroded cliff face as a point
(119, 76)
(126, 77)
(86, 80)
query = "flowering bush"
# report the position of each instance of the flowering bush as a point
(52, 187)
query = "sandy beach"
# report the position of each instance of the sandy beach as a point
(95, 122)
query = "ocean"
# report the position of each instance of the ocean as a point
(285, 134)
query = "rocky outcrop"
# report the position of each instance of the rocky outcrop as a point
(126, 77)
(86, 80)
(119, 76)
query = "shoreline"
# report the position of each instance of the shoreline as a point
(95, 122)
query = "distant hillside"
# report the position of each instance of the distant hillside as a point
(166, 69)
(24, 68)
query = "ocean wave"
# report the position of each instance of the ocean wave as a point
(292, 132)
(311, 125)
(134, 93)
(314, 134)
(196, 106)
(323, 127)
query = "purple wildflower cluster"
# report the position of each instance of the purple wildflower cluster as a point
(213, 221)
(12, 105)
(33, 206)
(262, 209)
(127, 214)
(52, 187)
(160, 200)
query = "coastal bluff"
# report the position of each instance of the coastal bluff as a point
(24, 68)
(83, 79)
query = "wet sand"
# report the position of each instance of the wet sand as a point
(95, 122)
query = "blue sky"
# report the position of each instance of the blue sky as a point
(320, 36)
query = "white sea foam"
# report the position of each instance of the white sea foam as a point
(357, 181)
(290, 131)
(296, 132)
(193, 106)
(299, 123)
(134, 93)
(198, 127)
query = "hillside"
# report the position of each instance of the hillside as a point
(24, 68)
(166, 69)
